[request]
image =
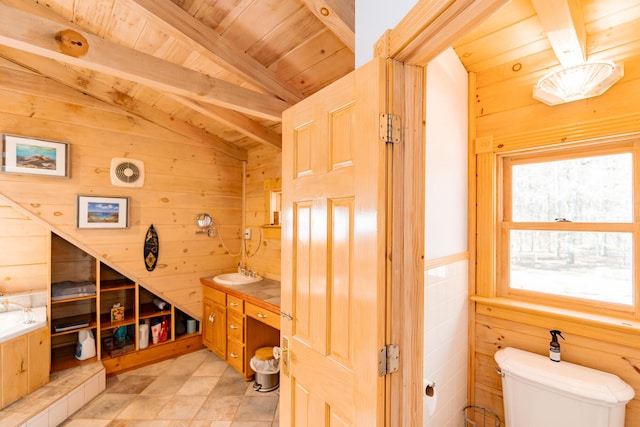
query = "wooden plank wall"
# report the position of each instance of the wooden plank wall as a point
(265, 163)
(24, 247)
(183, 178)
(508, 118)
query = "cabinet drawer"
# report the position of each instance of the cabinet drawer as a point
(235, 304)
(265, 316)
(235, 355)
(235, 326)
(215, 295)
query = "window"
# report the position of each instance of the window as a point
(568, 227)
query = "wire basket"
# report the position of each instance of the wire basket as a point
(479, 416)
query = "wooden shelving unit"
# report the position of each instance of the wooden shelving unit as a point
(71, 264)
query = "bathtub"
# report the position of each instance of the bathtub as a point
(12, 323)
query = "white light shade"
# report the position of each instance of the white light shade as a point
(581, 81)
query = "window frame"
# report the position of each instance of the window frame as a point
(505, 161)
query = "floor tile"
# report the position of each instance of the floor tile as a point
(212, 368)
(144, 407)
(181, 408)
(250, 424)
(105, 406)
(165, 384)
(259, 408)
(219, 408)
(198, 386)
(85, 422)
(231, 384)
(139, 423)
(131, 384)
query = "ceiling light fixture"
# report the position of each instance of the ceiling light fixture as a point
(586, 80)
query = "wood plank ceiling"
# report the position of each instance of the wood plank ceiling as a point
(222, 71)
(512, 47)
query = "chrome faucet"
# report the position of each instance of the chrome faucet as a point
(17, 304)
(26, 310)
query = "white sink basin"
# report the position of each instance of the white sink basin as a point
(235, 279)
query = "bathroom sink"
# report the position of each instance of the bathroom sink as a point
(235, 279)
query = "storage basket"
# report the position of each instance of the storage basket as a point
(479, 416)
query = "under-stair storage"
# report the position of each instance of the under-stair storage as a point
(73, 300)
(89, 295)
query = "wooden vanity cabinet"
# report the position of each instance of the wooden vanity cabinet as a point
(235, 328)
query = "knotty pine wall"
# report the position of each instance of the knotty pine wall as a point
(265, 163)
(183, 178)
(24, 246)
(508, 118)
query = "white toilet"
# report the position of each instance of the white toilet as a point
(540, 393)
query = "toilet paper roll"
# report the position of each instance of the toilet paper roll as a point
(429, 396)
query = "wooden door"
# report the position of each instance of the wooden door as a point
(333, 254)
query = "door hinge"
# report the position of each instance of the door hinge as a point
(390, 128)
(388, 359)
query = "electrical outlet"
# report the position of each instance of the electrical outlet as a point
(247, 234)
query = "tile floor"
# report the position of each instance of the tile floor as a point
(195, 390)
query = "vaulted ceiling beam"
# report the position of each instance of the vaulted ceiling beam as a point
(236, 121)
(96, 89)
(32, 34)
(55, 71)
(563, 22)
(338, 16)
(215, 47)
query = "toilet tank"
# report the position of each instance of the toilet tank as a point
(538, 392)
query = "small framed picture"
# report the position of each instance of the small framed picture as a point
(33, 156)
(103, 212)
(117, 314)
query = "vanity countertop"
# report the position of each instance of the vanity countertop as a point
(264, 294)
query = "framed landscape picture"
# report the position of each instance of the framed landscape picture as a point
(103, 212)
(32, 156)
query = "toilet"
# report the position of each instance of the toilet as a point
(539, 392)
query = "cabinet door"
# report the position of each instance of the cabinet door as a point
(38, 358)
(207, 322)
(14, 370)
(220, 330)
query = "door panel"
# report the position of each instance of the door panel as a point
(333, 254)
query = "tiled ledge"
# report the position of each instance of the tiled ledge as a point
(51, 404)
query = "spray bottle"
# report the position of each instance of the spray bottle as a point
(554, 345)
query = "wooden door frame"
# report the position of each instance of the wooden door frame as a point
(430, 27)
(405, 231)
